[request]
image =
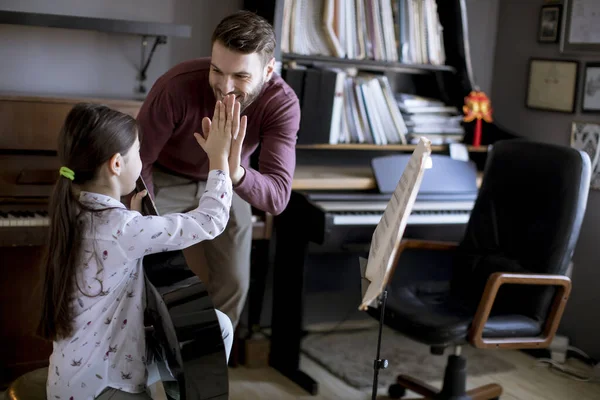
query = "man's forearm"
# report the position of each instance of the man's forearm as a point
(266, 192)
(237, 175)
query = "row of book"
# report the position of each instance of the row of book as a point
(345, 106)
(431, 117)
(407, 31)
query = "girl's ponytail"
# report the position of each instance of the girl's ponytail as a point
(60, 262)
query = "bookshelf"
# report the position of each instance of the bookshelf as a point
(362, 68)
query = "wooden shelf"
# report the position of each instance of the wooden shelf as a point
(323, 177)
(376, 147)
(95, 24)
(371, 65)
(333, 178)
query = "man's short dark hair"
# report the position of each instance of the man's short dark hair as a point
(246, 32)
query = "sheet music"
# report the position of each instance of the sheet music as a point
(585, 21)
(388, 233)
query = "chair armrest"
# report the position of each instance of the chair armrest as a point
(489, 296)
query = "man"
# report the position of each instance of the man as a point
(182, 102)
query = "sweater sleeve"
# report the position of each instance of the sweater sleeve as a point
(156, 121)
(270, 187)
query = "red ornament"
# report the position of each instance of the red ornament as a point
(477, 106)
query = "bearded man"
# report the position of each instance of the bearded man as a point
(181, 102)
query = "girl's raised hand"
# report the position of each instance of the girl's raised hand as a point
(216, 141)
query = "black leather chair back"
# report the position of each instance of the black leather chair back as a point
(526, 219)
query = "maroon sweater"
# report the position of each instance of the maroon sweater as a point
(173, 111)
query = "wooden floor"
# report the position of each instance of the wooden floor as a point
(526, 382)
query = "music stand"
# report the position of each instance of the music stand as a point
(383, 253)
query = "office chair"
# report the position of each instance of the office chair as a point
(506, 285)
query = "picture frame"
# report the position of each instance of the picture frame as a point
(590, 95)
(585, 136)
(581, 29)
(552, 85)
(549, 23)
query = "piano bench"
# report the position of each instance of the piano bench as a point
(29, 386)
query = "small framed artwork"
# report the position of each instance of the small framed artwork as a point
(590, 101)
(581, 30)
(549, 26)
(585, 136)
(552, 85)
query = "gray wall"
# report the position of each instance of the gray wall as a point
(76, 62)
(482, 19)
(203, 16)
(515, 44)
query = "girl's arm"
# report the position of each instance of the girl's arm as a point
(140, 235)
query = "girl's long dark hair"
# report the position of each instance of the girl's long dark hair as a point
(90, 136)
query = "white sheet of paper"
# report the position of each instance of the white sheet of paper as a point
(458, 151)
(388, 233)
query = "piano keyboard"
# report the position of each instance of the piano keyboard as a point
(415, 218)
(23, 219)
(423, 213)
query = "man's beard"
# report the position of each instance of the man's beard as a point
(248, 98)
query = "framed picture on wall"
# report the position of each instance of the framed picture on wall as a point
(549, 25)
(590, 99)
(552, 85)
(581, 33)
(585, 136)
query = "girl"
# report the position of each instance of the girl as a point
(93, 299)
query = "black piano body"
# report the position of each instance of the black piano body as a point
(344, 221)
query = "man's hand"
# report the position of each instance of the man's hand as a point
(136, 201)
(236, 170)
(238, 133)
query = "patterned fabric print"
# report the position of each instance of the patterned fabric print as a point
(107, 348)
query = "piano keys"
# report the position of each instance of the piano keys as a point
(23, 228)
(18, 219)
(357, 213)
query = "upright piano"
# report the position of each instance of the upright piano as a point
(29, 127)
(344, 220)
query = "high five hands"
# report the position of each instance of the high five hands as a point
(223, 137)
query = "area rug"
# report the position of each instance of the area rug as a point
(350, 356)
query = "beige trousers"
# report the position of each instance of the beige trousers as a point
(222, 263)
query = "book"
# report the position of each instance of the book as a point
(387, 237)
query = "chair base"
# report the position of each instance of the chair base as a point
(454, 387)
